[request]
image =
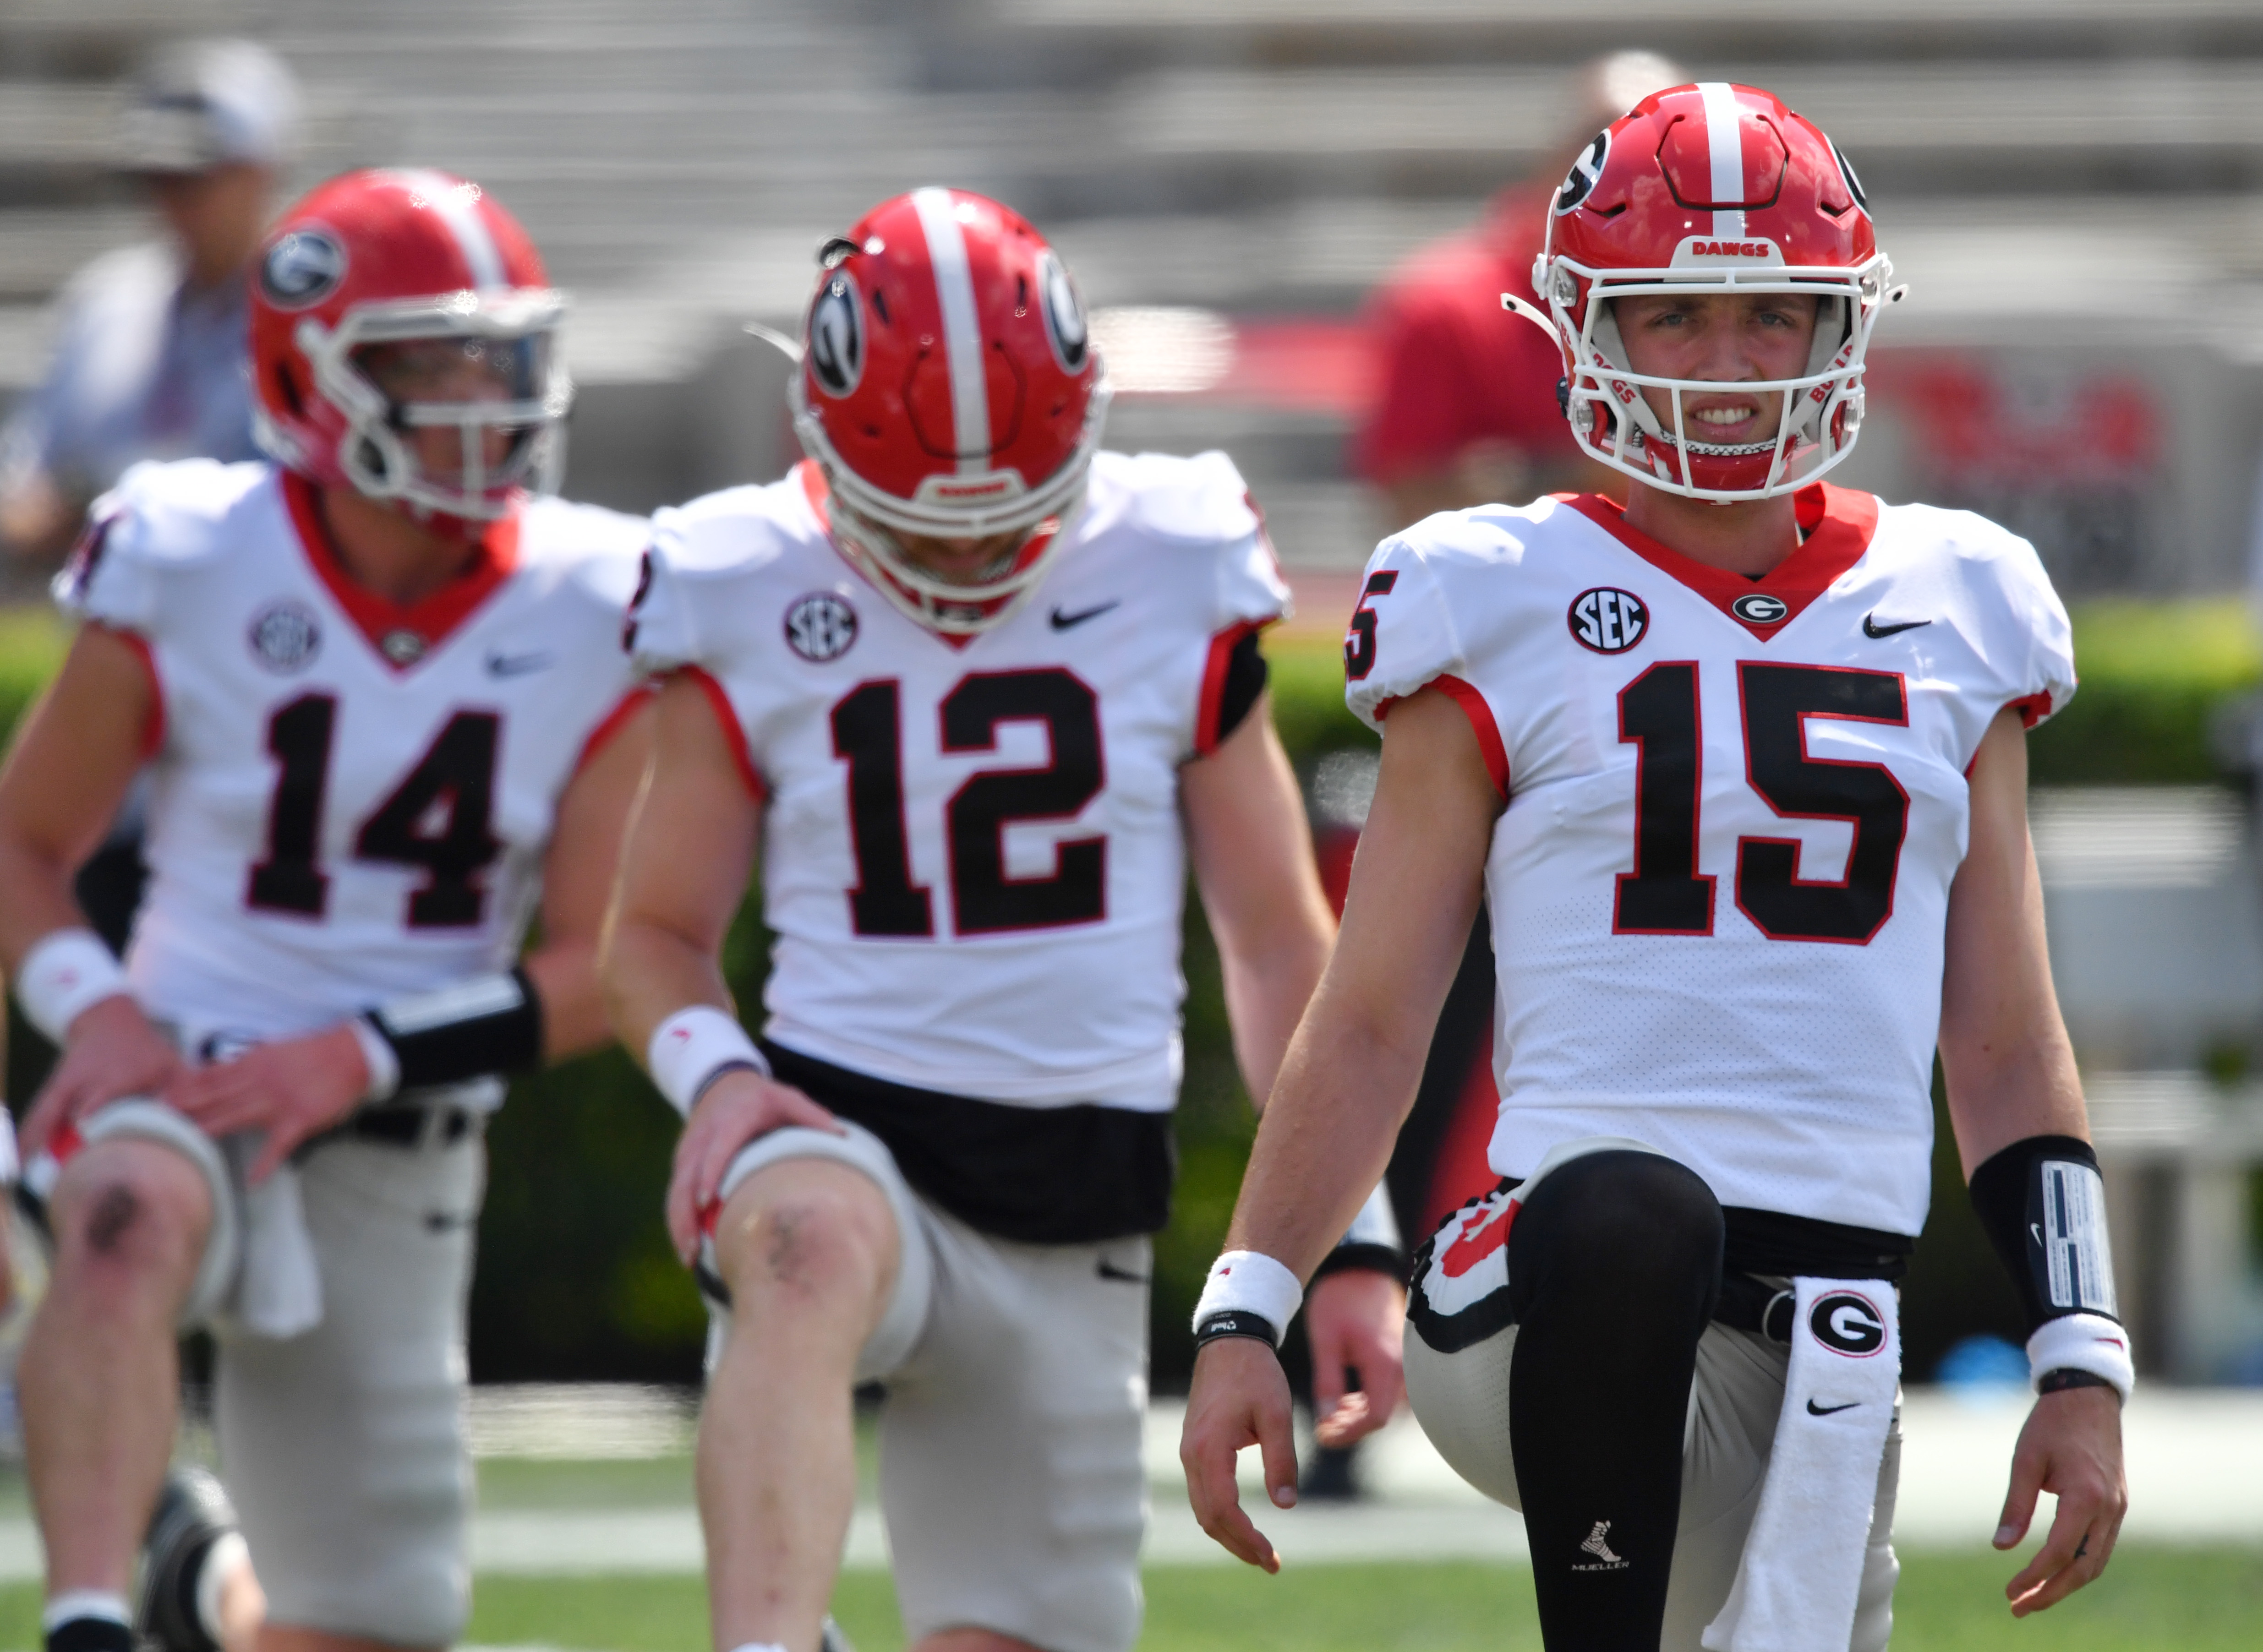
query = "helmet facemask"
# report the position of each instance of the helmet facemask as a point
(1819, 413)
(511, 338)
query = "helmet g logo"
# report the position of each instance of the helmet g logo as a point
(1586, 171)
(1845, 1322)
(1064, 311)
(836, 336)
(302, 268)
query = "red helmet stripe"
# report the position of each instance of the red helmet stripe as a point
(1725, 135)
(962, 328)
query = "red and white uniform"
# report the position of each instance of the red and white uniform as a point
(1734, 811)
(972, 856)
(352, 799)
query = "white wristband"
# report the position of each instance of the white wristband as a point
(384, 1065)
(689, 1046)
(66, 972)
(1250, 1282)
(2083, 1342)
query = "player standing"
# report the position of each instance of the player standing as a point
(1741, 774)
(382, 692)
(981, 692)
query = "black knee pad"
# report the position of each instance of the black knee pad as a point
(1632, 1229)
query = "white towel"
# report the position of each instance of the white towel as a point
(1802, 1569)
(278, 1290)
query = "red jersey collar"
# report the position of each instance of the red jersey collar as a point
(402, 633)
(1837, 521)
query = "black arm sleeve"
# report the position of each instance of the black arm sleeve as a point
(489, 1025)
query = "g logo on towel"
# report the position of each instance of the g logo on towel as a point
(1848, 1323)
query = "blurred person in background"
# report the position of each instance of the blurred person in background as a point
(1466, 413)
(149, 355)
(378, 683)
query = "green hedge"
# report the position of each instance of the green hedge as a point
(576, 1278)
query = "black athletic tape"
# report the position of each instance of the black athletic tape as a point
(1238, 1322)
(1244, 681)
(2008, 1194)
(490, 1033)
(2052, 1382)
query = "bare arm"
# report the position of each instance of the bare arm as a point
(1348, 1079)
(1253, 861)
(1352, 1068)
(682, 870)
(2004, 1049)
(72, 761)
(2010, 1075)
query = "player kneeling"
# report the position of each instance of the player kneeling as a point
(1739, 771)
(381, 693)
(980, 691)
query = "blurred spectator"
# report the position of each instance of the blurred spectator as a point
(1467, 414)
(150, 356)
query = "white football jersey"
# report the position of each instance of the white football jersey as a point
(971, 858)
(350, 799)
(1735, 807)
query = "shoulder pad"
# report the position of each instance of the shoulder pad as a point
(1197, 501)
(734, 531)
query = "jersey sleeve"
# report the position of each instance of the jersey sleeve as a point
(114, 576)
(1402, 636)
(2047, 681)
(660, 632)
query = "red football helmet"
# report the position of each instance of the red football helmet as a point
(1707, 188)
(948, 389)
(386, 257)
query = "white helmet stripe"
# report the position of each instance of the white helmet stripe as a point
(962, 333)
(1724, 132)
(456, 205)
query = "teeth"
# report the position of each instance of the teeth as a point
(1724, 415)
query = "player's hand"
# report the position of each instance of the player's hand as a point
(109, 1052)
(1241, 1397)
(1356, 1322)
(293, 1090)
(2070, 1447)
(738, 1108)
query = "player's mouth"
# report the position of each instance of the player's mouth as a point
(1723, 422)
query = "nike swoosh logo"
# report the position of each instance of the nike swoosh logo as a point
(1813, 1410)
(1062, 622)
(1108, 1270)
(516, 665)
(1871, 628)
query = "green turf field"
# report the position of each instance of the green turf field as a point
(2157, 1600)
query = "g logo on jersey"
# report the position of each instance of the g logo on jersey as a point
(821, 626)
(285, 637)
(1586, 172)
(1848, 1323)
(302, 268)
(836, 336)
(1760, 608)
(1065, 325)
(1608, 620)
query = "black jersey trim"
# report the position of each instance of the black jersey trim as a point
(1054, 1175)
(1774, 1244)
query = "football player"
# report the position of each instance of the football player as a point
(381, 688)
(1740, 772)
(981, 692)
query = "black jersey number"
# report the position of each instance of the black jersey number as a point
(1664, 895)
(439, 817)
(868, 735)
